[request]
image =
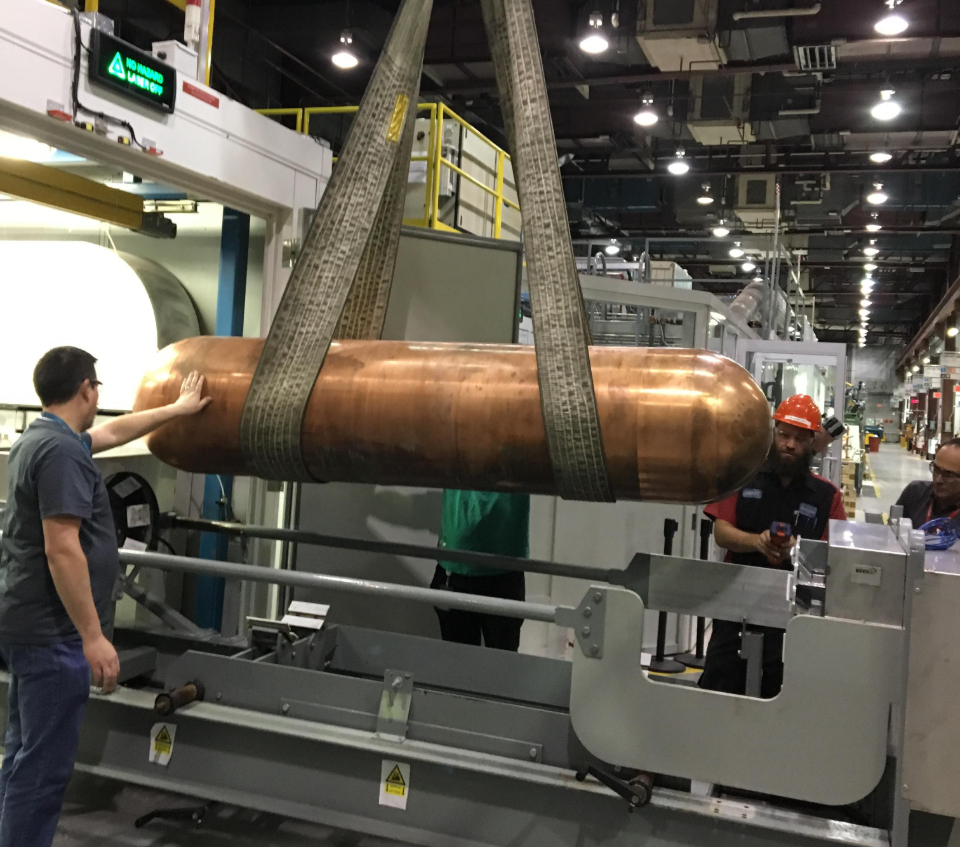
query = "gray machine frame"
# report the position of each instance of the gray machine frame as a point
(300, 723)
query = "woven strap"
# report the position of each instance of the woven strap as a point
(561, 334)
(351, 236)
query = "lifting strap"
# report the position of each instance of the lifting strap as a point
(560, 331)
(351, 236)
(341, 282)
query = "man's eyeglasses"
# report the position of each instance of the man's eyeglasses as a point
(950, 476)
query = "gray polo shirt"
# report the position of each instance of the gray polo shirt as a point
(51, 472)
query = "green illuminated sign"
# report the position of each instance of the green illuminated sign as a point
(129, 71)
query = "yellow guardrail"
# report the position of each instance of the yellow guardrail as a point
(436, 161)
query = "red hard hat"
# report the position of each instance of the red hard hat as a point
(801, 411)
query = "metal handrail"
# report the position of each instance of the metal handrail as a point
(435, 160)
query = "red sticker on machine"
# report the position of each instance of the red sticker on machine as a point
(201, 94)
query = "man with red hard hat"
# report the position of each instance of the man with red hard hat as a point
(759, 525)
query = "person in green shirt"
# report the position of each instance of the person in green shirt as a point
(483, 522)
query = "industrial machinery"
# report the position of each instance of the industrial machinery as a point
(429, 742)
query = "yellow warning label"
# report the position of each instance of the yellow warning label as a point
(396, 119)
(394, 783)
(163, 743)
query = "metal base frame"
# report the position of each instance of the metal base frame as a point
(331, 776)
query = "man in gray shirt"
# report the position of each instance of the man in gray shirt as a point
(58, 565)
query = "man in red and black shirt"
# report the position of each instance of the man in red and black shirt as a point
(784, 491)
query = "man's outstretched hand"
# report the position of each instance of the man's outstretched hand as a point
(191, 399)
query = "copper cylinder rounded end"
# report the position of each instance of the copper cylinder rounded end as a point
(679, 425)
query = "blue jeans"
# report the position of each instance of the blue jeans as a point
(49, 687)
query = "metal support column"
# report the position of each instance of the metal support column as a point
(218, 491)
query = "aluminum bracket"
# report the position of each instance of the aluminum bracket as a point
(395, 705)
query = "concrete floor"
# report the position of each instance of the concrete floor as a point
(886, 475)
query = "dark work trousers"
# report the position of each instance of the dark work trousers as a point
(49, 686)
(724, 670)
(468, 627)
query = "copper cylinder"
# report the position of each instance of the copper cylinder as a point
(679, 425)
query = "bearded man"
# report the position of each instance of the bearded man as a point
(783, 492)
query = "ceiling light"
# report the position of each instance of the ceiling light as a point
(678, 167)
(865, 302)
(869, 266)
(881, 157)
(736, 251)
(705, 198)
(864, 313)
(720, 230)
(345, 58)
(915, 368)
(871, 250)
(887, 109)
(28, 149)
(612, 248)
(891, 23)
(873, 227)
(646, 116)
(926, 360)
(861, 343)
(877, 196)
(748, 266)
(758, 278)
(594, 41)
(952, 332)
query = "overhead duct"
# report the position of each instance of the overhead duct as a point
(677, 36)
(777, 13)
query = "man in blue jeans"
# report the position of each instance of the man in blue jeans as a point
(58, 566)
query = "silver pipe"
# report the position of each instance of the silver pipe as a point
(774, 261)
(170, 616)
(778, 13)
(298, 579)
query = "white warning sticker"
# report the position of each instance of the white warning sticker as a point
(126, 487)
(138, 516)
(161, 742)
(394, 784)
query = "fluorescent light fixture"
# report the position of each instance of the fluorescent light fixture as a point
(891, 24)
(736, 252)
(612, 248)
(678, 167)
(594, 41)
(881, 157)
(705, 198)
(345, 58)
(952, 332)
(646, 116)
(877, 196)
(887, 109)
(748, 266)
(27, 149)
(869, 266)
(720, 230)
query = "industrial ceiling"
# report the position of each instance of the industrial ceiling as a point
(742, 88)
